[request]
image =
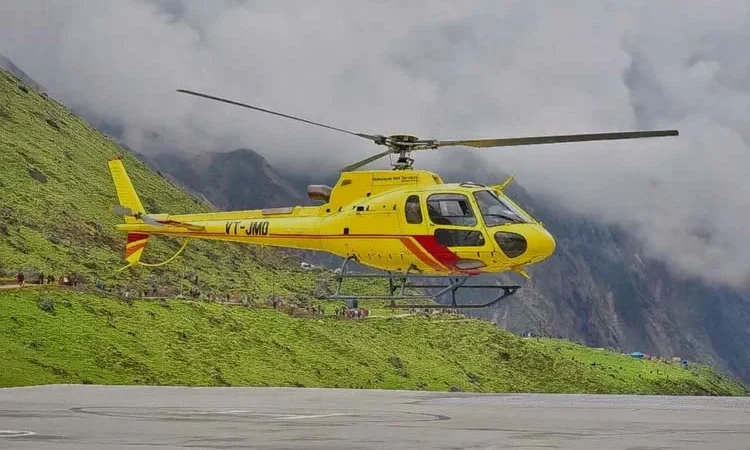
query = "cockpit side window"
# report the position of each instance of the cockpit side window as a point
(459, 238)
(412, 210)
(450, 209)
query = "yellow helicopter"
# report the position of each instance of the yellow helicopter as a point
(425, 234)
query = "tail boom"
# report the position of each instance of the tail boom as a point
(285, 227)
(300, 233)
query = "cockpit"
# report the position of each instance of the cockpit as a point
(471, 217)
(456, 209)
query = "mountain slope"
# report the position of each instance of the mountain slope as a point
(8, 65)
(56, 191)
(83, 338)
(240, 179)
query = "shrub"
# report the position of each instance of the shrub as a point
(47, 304)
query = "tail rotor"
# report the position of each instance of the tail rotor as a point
(127, 212)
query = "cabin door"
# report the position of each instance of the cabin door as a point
(413, 216)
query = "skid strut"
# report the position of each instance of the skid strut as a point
(399, 283)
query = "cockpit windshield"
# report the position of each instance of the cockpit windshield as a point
(495, 211)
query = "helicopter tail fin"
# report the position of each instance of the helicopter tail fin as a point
(131, 209)
(134, 247)
(125, 191)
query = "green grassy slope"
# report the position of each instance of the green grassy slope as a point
(55, 193)
(92, 339)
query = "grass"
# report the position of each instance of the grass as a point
(56, 191)
(56, 335)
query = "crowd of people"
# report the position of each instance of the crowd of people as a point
(431, 311)
(352, 313)
(298, 307)
(67, 280)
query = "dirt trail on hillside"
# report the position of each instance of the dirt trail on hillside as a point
(15, 286)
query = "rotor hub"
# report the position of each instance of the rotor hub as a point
(402, 138)
(402, 144)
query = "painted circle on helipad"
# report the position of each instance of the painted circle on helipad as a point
(15, 433)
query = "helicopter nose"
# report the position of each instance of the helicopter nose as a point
(543, 245)
(532, 242)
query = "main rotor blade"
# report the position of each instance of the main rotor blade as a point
(554, 139)
(375, 138)
(368, 160)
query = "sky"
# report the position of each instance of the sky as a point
(443, 70)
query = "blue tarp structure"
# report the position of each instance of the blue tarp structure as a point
(636, 355)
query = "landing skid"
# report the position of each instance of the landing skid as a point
(399, 283)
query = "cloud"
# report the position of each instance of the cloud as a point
(444, 70)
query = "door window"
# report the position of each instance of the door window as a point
(450, 209)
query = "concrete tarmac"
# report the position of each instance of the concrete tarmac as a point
(164, 418)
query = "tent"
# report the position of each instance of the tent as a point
(636, 355)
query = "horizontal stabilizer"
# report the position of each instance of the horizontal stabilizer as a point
(175, 223)
(154, 220)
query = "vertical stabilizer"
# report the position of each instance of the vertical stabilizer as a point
(125, 191)
(134, 247)
(128, 198)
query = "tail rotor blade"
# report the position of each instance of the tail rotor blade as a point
(151, 221)
(122, 211)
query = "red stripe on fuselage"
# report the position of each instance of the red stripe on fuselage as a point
(437, 250)
(414, 248)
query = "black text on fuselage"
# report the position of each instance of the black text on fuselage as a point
(254, 228)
